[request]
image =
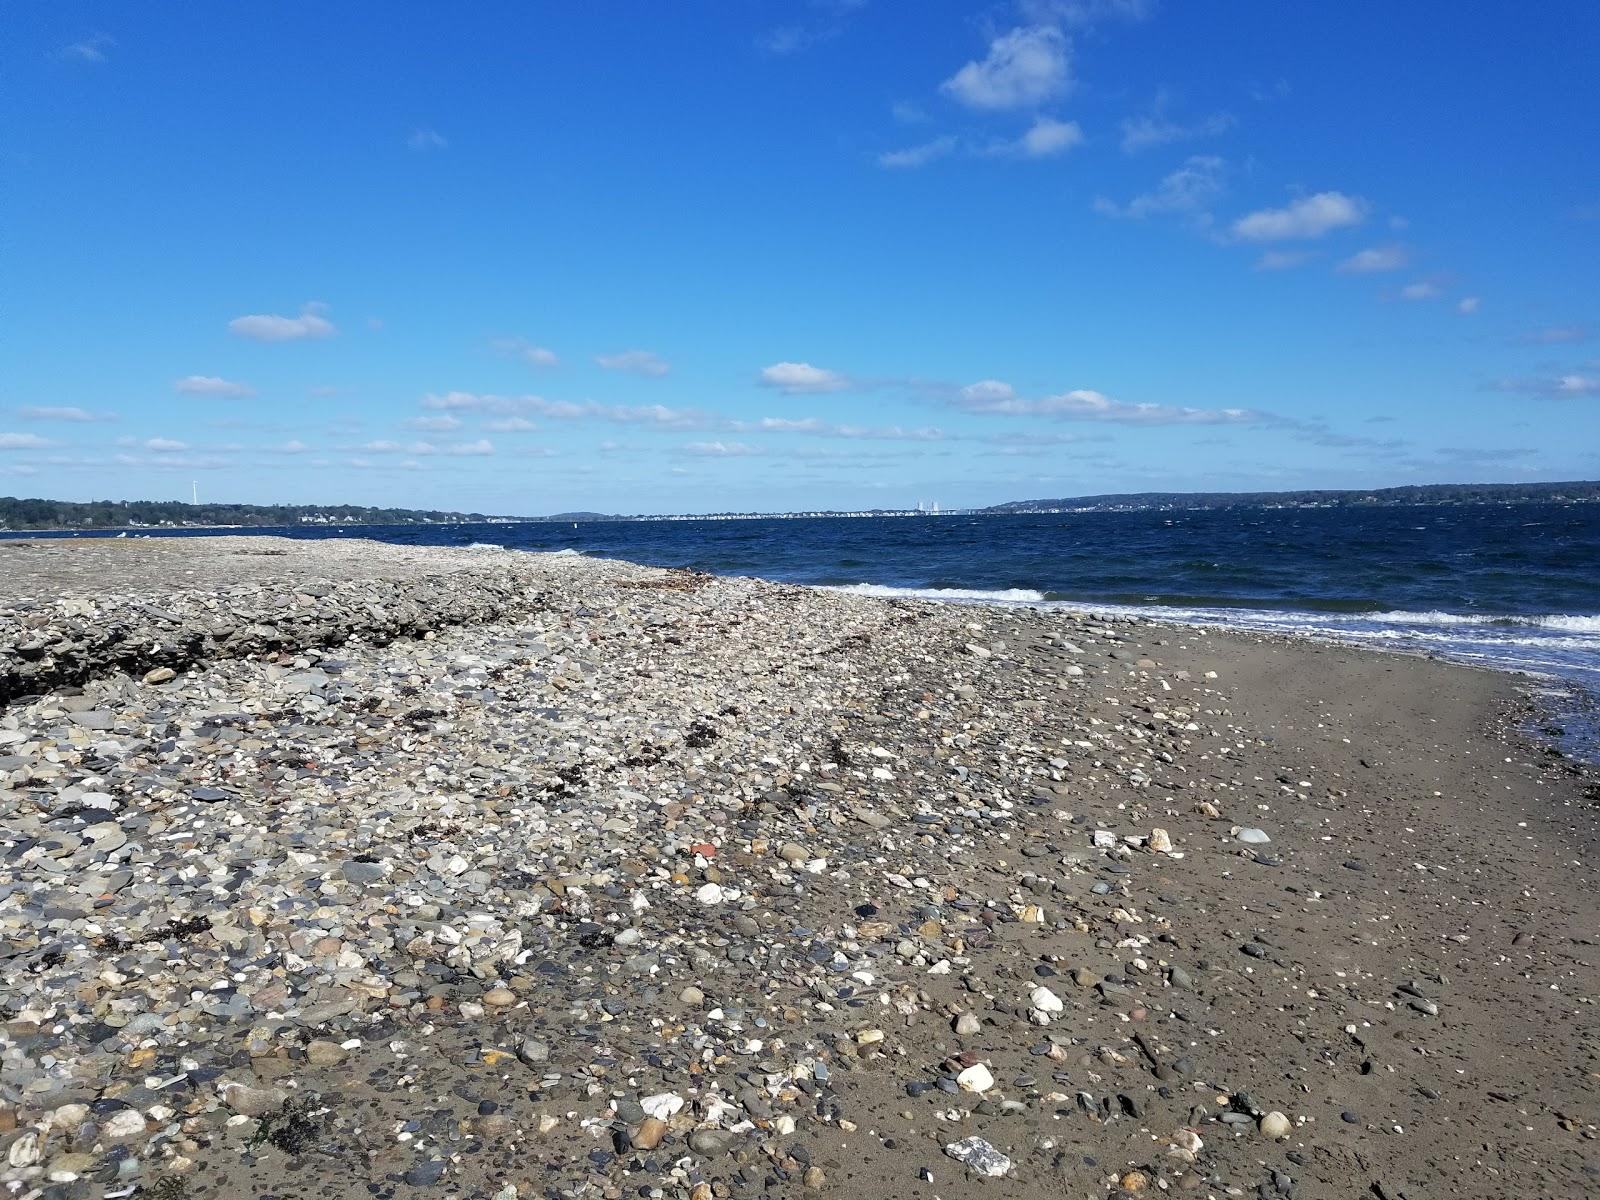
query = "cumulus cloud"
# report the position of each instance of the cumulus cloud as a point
(1155, 128)
(1047, 137)
(1306, 217)
(443, 423)
(23, 441)
(293, 446)
(45, 412)
(814, 427)
(1468, 305)
(635, 362)
(525, 351)
(1085, 14)
(721, 449)
(1023, 68)
(1374, 260)
(1084, 404)
(1188, 191)
(159, 444)
(1569, 386)
(309, 324)
(423, 140)
(212, 385)
(424, 449)
(799, 377)
(657, 415)
(1283, 260)
(987, 392)
(512, 425)
(917, 156)
(1421, 290)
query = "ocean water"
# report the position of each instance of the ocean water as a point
(1515, 587)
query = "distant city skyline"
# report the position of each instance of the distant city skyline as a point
(832, 255)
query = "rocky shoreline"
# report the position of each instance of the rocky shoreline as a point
(334, 868)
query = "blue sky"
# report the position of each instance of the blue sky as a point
(701, 257)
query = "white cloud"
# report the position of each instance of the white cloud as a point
(798, 377)
(917, 156)
(23, 441)
(212, 385)
(721, 449)
(1047, 137)
(1085, 14)
(1375, 259)
(512, 425)
(1468, 305)
(425, 449)
(1083, 404)
(1283, 260)
(160, 444)
(423, 140)
(636, 362)
(443, 423)
(1559, 335)
(1306, 217)
(1188, 191)
(1560, 387)
(54, 413)
(1421, 290)
(1023, 68)
(986, 392)
(91, 50)
(463, 401)
(526, 351)
(294, 446)
(1156, 129)
(656, 415)
(271, 328)
(814, 427)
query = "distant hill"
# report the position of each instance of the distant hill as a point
(18, 514)
(1428, 493)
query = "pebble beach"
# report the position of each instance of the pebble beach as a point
(337, 868)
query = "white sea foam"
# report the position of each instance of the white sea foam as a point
(486, 546)
(567, 553)
(1540, 644)
(961, 595)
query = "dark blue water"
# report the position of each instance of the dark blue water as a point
(1514, 586)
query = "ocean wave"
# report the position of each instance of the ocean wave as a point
(1571, 623)
(966, 595)
(569, 552)
(485, 546)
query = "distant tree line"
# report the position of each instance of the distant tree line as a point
(1428, 493)
(129, 514)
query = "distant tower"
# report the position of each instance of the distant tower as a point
(194, 491)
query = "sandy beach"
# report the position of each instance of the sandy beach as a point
(344, 869)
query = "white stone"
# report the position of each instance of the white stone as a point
(709, 893)
(662, 1106)
(975, 1078)
(979, 1156)
(1047, 1001)
(1276, 1126)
